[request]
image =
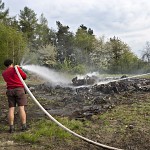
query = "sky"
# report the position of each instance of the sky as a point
(129, 20)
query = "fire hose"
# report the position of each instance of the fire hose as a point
(58, 123)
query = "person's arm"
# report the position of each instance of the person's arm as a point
(22, 73)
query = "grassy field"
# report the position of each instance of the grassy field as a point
(125, 126)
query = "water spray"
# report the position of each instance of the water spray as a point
(58, 123)
(51, 75)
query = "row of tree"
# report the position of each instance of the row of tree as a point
(73, 52)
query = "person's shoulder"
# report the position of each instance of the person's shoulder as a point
(8, 69)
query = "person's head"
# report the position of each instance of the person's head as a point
(8, 62)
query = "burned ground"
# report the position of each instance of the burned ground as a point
(85, 103)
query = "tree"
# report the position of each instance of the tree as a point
(28, 24)
(64, 43)
(12, 44)
(129, 63)
(120, 56)
(116, 49)
(146, 53)
(84, 41)
(3, 13)
(42, 32)
(47, 55)
(100, 55)
(5, 18)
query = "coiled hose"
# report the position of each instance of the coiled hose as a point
(58, 123)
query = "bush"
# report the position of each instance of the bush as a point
(79, 69)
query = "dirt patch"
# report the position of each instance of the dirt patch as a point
(85, 103)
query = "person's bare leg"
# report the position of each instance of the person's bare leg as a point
(22, 114)
(11, 115)
(11, 119)
(23, 117)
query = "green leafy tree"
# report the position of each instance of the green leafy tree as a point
(5, 18)
(64, 43)
(12, 44)
(146, 57)
(116, 49)
(28, 24)
(42, 32)
(47, 56)
(53, 37)
(3, 13)
(129, 63)
(100, 55)
(84, 41)
(146, 53)
(121, 59)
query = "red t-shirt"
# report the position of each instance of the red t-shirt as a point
(11, 78)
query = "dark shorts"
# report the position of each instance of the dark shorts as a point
(16, 96)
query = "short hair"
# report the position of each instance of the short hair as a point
(8, 62)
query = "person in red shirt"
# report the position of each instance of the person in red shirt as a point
(15, 93)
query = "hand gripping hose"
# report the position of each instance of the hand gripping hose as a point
(58, 123)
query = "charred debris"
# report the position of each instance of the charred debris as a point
(88, 96)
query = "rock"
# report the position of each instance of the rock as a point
(85, 81)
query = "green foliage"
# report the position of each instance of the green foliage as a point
(146, 53)
(68, 67)
(121, 59)
(3, 13)
(128, 62)
(47, 56)
(100, 55)
(12, 44)
(73, 52)
(42, 33)
(79, 69)
(84, 39)
(84, 43)
(28, 24)
(64, 45)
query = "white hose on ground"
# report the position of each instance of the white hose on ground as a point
(58, 123)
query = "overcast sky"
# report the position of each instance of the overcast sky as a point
(127, 19)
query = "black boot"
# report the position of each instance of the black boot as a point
(24, 127)
(11, 129)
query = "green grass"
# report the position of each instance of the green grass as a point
(2, 127)
(117, 120)
(123, 123)
(48, 129)
(27, 137)
(122, 117)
